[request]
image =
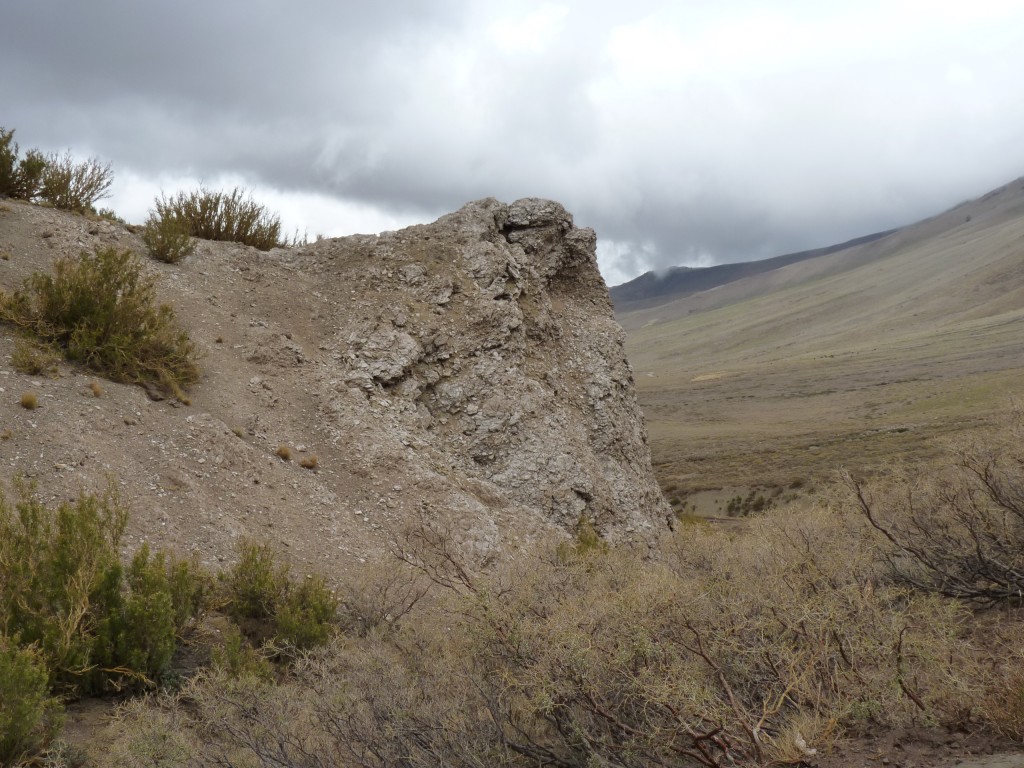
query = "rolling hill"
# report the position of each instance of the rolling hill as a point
(851, 357)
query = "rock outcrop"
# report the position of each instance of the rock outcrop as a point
(489, 335)
(469, 369)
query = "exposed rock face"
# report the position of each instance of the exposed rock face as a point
(469, 369)
(493, 341)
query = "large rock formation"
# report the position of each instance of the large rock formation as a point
(488, 344)
(468, 369)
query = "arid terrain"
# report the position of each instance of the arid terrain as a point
(467, 376)
(444, 368)
(852, 359)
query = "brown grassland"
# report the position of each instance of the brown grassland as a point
(874, 356)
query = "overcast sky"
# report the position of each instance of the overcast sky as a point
(683, 132)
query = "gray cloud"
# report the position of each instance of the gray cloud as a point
(682, 132)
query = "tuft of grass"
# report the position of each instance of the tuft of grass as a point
(34, 359)
(230, 216)
(102, 312)
(29, 401)
(96, 389)
(7, 434)
(284, 452)
(309, 462)
(168, 238)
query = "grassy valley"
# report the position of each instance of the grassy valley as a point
(853, 359)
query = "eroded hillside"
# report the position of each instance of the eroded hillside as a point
(469, 370)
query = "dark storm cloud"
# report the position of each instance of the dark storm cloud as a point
(682, 132)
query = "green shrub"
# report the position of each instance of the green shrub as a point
(101, 311)
(237, 659)
(232, 216)
(269, 604)
(167, 238)
(308, 615)
(19, 178)
(97, 625)
(109, 214)
(256, 584)
(28, 181)
(8, 161)
(72, 185)
(29, 716)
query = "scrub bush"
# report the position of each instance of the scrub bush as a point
(59, 180)
(102, 312)
(72, 185)
(263, 597)
(98, 626)
(29, 716)
(230, 216)
(167, 238)
(958, 533)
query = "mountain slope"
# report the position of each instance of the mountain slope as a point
(653, 288)
(800, 369)
(969, 220)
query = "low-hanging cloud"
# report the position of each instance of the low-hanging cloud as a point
(683, 133)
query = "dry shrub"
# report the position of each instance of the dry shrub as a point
(152, 733)
(754, 646)
(232, 216)
(1002, 704)
(29, 401)
(751, 649)
(309, 462)
(284, 453)
(959, 531)
(379, 597)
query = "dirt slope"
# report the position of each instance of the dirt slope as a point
(469, 370)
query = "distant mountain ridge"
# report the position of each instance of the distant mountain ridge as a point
(652, 288)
